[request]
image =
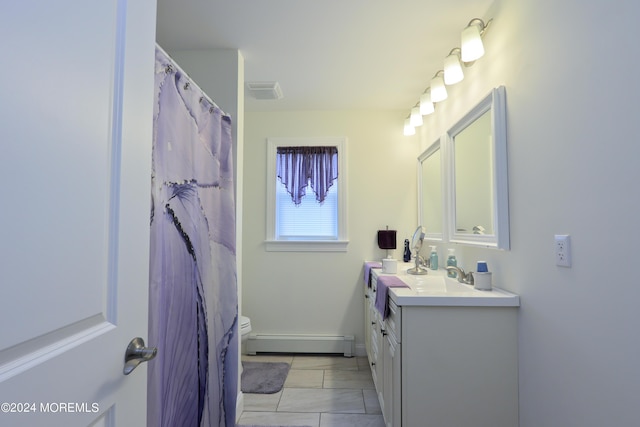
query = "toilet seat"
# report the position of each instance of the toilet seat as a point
(245, 325)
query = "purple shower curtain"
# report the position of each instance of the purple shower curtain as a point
(193, 306)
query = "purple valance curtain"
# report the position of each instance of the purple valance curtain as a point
(297, 167)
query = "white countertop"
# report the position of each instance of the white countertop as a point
(436, 289)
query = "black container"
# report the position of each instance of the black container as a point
(407, 252)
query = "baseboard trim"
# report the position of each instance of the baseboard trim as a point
(296, 343)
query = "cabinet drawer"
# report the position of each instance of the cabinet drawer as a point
(394, 321)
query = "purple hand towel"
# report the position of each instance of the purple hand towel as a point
(387, 239)
(382, 292)
(367, 271)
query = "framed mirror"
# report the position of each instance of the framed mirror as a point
(430, 192)
(477, 175)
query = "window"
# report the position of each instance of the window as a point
(309, 220)
(309, 224)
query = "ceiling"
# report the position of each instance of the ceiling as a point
(326, 55)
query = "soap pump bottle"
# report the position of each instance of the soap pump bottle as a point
(452, 262)
(407, 253)
(433, 258)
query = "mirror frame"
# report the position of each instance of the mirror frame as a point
(495, 103)
(437, 145)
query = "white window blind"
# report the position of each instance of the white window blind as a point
(309, 220)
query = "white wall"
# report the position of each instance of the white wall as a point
(572, 107)
(322, 293)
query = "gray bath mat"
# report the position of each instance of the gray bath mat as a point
(263, 377)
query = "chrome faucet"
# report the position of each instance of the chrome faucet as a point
(425, 262)
(462, 276)
(422, 267)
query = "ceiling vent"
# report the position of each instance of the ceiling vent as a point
(264, 90)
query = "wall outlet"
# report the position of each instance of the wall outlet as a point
(563, 250)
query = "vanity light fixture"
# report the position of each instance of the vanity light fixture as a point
(408, 129)
(452, 68)
(426, 106)
(416, 117)
(471, 40)
(471, 49)
(438, 91)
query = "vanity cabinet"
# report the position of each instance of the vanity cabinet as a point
(367, 320)
(374, 340)
(445, 358)
(392, 369)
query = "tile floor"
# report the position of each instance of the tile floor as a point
(320, 391)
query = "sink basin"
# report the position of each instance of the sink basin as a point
(436, 284)
(436, 289)
(429, 284)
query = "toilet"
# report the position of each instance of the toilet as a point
(245, 329)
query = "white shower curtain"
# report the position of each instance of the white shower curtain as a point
(193, 302)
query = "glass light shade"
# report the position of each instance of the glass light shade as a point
(408, 129)
(452, 70)
(416, 117)
(471, 44)
(438, 91)
(426, 106)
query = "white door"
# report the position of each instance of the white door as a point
(76, 105)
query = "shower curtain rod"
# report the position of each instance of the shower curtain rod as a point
(192, 82)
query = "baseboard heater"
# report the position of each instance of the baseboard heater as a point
(292, 343)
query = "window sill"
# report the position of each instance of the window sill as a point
(306, 245)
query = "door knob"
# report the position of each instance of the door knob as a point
(136, 354)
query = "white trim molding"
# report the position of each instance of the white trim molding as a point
(333, 245)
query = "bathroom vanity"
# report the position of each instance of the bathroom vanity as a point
(446, 354)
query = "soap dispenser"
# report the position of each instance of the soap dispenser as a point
(452, 262)
(433, 258)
